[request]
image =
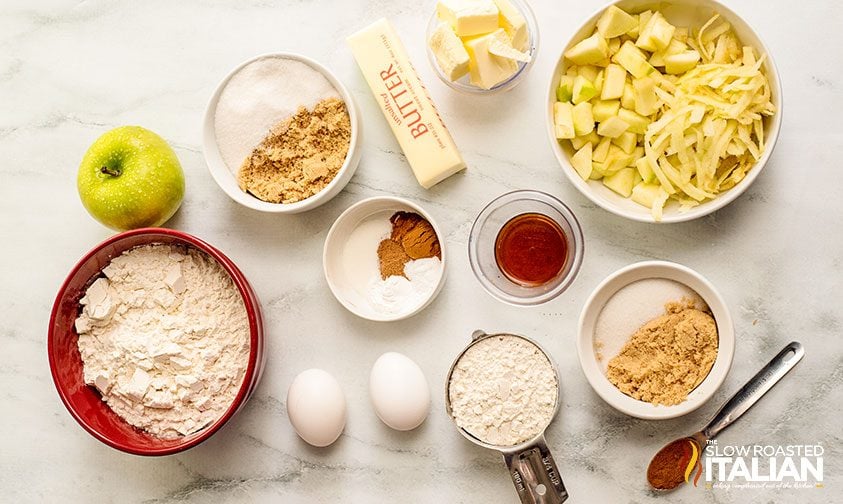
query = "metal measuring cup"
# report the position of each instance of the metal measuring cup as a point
(531, 465)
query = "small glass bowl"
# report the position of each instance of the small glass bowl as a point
(463, 84)
(483, 237)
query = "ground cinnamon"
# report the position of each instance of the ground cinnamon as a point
(668, 468)
(412, 237)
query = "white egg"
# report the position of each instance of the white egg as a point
(316, 407)
(399, 391)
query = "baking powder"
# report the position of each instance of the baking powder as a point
(164, 337)
(259, 96)
(503, 390)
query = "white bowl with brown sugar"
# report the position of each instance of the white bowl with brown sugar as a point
(281, 134)
(655, 340)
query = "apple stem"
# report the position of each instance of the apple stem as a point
(110, 171)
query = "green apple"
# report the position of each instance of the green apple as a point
(130, 178)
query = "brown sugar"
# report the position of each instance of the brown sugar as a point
(412, 237)
(668, 356)
(300, 156)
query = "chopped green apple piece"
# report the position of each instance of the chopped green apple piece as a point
(598, 82)
(581, 161)
(633, 60)
(596, 171)
(646, 101)
(646, 171)
(614, 45)
(615, 22)
(656, 34)
(633, 32)
(616, 160)
(583, 118)
(628, 97)
(604, 109)
(680, 63)
(637, 153)
(643, 19)
(589, 51)
(602, 150)
(647, 193)
(613, 82)
(675, 47)
(563, 119)
(566, 88)
(626, 141)
(637, 123)
(584, 90)
(589, 72)
(621, 181)
(637, 180)
(612, 127)
(578, 142)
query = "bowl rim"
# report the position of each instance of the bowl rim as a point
(220, 171)
(328, 250)
(594, 374)
(707, 207)
(253, 368)
(513, 80)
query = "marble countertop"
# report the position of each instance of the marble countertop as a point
(71, 70)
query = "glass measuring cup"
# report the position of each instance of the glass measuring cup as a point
(530, 463)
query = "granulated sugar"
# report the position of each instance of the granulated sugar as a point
(503, 390)
(261, 95)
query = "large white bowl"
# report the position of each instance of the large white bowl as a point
(335, 242)
(681, 12)
(592, 367)
(226, 178)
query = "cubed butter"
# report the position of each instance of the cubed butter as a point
(449, 52)
(405, 104)
(484, 68)
(501, 46)
(469, 17)
(511, 20)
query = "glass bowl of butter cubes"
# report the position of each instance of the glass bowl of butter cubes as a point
(482, 46)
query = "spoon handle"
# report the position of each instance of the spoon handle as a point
(750, 393)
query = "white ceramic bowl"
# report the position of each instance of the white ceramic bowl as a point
(463, 85)
(332, 256)
(226, 178)
(593, 369)
(697, 12)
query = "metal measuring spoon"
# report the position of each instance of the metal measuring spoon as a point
(531, 465)
(747, 396)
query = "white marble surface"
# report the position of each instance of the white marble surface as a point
(71, 70)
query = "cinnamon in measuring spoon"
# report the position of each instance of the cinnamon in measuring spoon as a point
(673, 464)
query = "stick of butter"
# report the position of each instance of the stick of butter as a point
(404, 101)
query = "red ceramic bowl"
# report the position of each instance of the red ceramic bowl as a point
(83, 401)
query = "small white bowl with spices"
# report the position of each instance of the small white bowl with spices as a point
(384, 259)
(281, 134)
(655, 340)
